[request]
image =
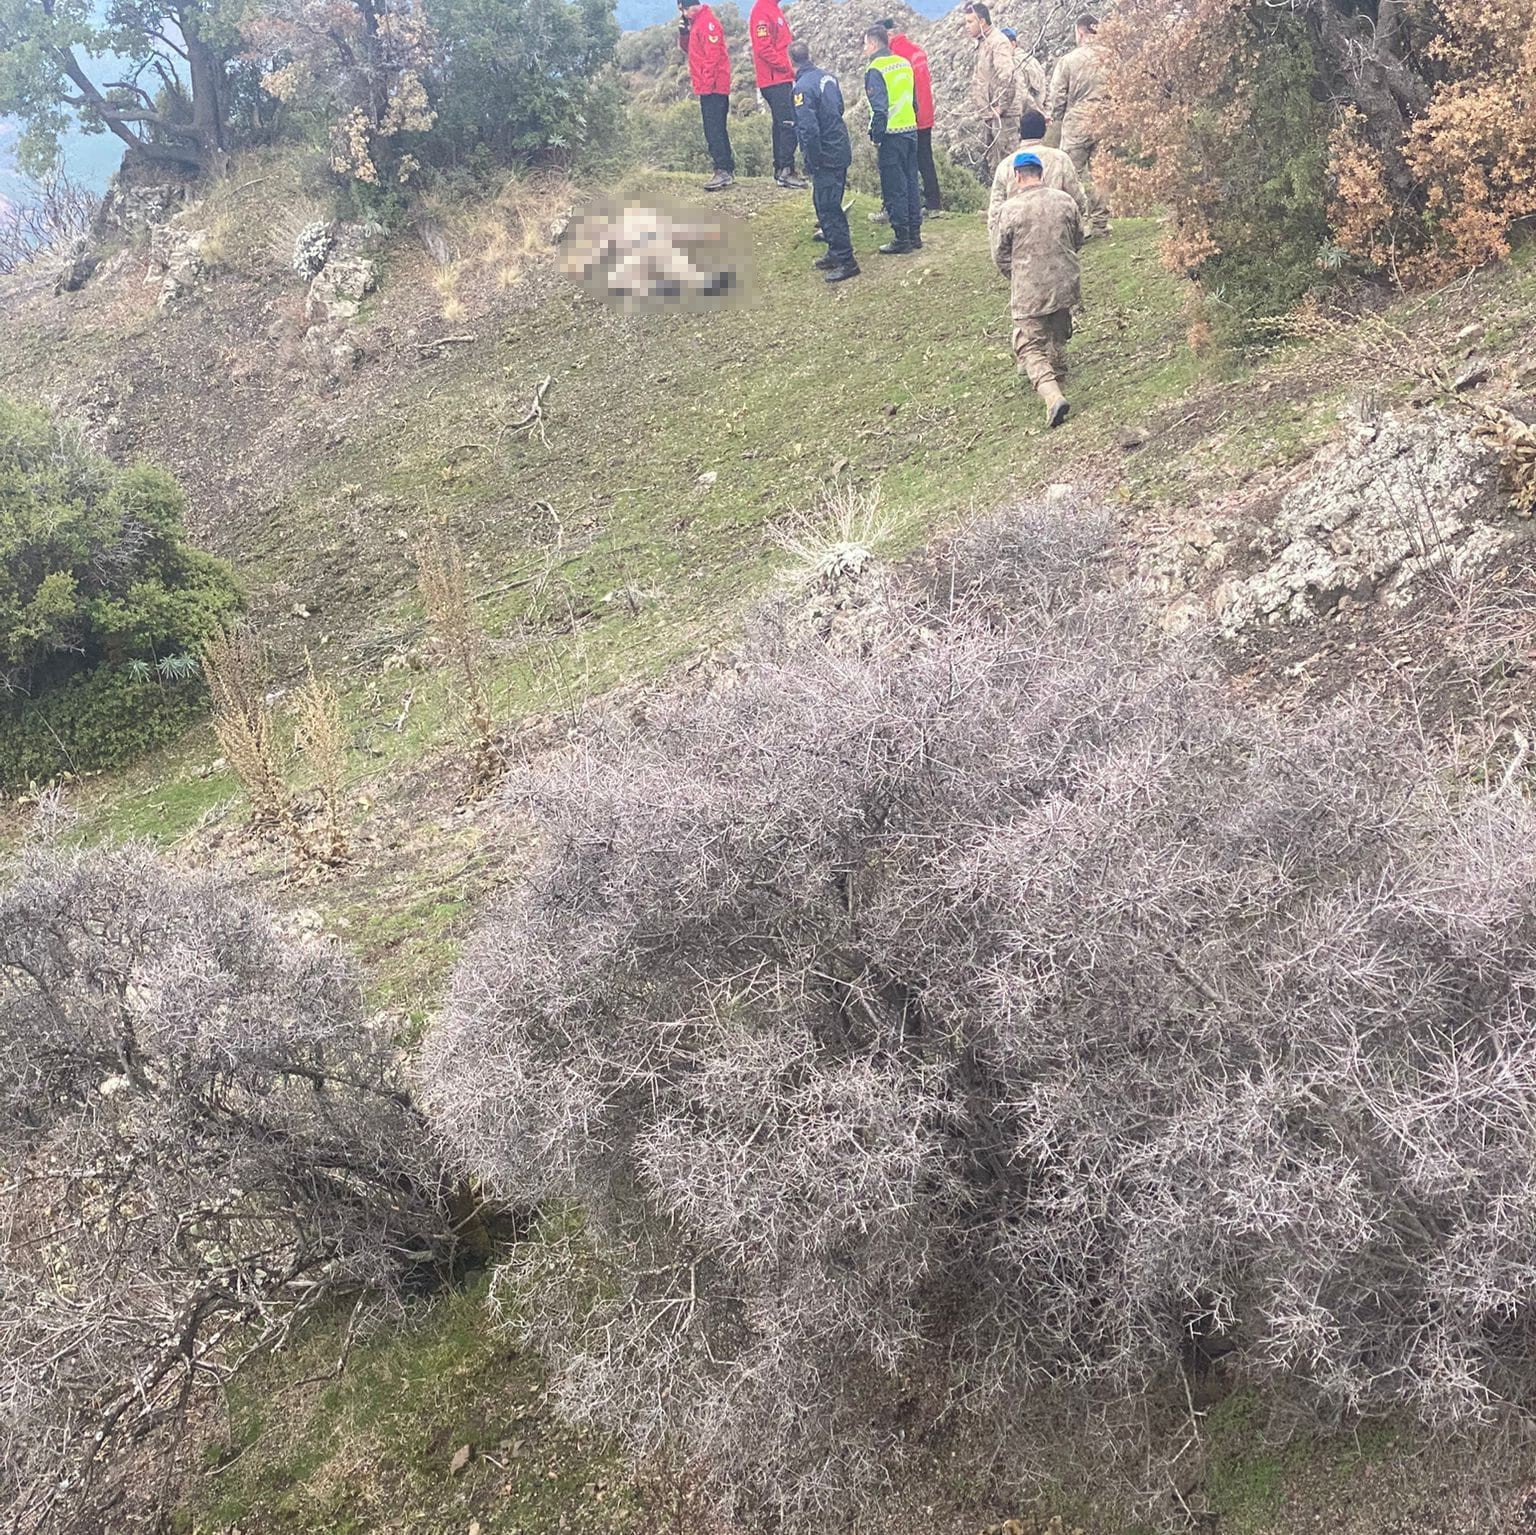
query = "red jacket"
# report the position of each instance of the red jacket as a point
(771, 38)
(709, 61)
(922, 81)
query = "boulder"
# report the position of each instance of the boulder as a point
(175, 262)
(338, 289)
(1374, 516)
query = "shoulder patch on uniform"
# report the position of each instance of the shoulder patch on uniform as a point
(799, 98)
(762, 29)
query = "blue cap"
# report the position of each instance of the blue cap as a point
(1024, 157)
(1010, 34)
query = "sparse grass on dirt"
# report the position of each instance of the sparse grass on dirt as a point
(373, 1448)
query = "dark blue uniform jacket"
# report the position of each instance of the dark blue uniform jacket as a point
(819, 122)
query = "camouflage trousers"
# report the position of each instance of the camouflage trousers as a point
(1040, 347)
(997, 139)
(1080, 152)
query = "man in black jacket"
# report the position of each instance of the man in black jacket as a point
(827, 154)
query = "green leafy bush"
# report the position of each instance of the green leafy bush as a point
(524, 78)
(102, 603)
(671, 138)
(1271, 225)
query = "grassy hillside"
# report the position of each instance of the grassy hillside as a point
(610, 551)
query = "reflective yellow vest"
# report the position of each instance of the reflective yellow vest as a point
(901, 93)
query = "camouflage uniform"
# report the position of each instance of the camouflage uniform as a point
(1078, 86)
(1035, 246)
(1057, 171)
(1032, 86)
(995, 93)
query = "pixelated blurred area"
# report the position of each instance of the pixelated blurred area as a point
(639, 256)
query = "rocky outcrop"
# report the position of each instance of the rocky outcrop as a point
(337, 290)
(1377, 513)
(1369, 520)
(175, 262)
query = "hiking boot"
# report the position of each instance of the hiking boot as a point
(791, 182)
(1056, 404)
(828, 263)
(719, 181)
(898, 247)
(843, 273)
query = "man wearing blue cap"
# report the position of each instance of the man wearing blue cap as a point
(1035, 244)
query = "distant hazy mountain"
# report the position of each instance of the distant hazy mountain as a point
(634, 14)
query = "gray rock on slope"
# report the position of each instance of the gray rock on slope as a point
(1375, 515)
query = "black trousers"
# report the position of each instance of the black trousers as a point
(714, 109)
(781, 107)
(927, 169)
(899, 190)
(827, 188)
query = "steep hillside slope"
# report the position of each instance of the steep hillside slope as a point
(1334, 533)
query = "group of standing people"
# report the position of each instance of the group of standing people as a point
(1043, 201)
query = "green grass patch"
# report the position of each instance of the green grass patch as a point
(373, 1448)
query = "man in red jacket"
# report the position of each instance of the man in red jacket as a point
(771, 38)
(702, 38)
(922, 80)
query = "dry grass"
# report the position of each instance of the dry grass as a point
(235, 664)
(254, 215)
(834, 545)
(440, 577)
(477, 250)
(321, 738)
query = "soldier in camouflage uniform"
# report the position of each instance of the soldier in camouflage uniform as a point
(1035, 245)
(1078, 87)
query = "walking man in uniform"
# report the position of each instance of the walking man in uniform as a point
(1078, 86)
(771, 38)
(701, 37)
(1036, 245)
(827, 153)
(1056, 171)
(922, 82)
(994, 83)
(889, 85)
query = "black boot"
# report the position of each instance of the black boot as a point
(843, 273)
(900, 246)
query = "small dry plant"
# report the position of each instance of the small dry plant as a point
(321, 738)
(1514, 441)
(441, 579)
(235, 665)
(832, 547)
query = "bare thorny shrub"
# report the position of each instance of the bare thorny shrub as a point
(55, 218)
(1004, 1015)
(443, 583)
(204, 1141)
